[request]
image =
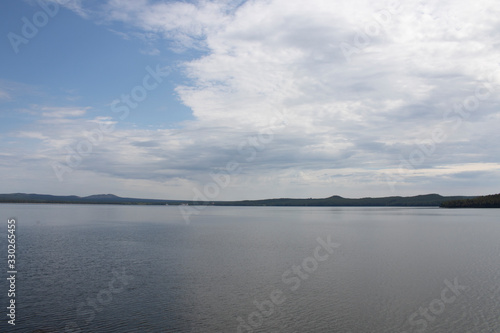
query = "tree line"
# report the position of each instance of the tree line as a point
(486, 201)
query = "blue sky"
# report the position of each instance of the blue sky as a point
(240, 99)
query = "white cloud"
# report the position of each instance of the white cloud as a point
(73, 5)
(4, 95)
(63, 112)
(338, 125)
(32, 135)
(11, 90)
(183, 22)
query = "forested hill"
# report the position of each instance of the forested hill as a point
(333, 201)
(73, 199)
(486, 201)
(338, 201)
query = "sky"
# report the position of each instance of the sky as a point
(234, 99)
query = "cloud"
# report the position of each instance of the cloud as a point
(12, 90)
(339, 123)
(32, 135)
(62, 112)
(73, 5)
(4, 95)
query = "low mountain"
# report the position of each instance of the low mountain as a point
(102, 197)
(73, 199)
(430, 200)
(338, 201)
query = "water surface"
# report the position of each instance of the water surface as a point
(144, 269)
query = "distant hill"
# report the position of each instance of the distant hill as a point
(486, 201)
(415, 201)
(433, 200)
(73, 199)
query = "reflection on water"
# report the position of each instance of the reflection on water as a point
(255, 269)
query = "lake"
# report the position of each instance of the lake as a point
(105, 268)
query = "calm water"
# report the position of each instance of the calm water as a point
(143, 269)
